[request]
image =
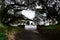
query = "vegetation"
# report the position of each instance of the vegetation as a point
(4, 29)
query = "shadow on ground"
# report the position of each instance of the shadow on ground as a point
(41, 35)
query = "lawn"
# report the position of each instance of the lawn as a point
(7, 31)
(52, 27)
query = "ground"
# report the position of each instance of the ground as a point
(27, 35)
(43, 33)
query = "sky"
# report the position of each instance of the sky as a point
(29, 14)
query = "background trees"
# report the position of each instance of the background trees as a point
(50, 7)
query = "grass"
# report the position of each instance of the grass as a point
(51, 28)
(8, 31)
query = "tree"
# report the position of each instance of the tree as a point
(51, 7)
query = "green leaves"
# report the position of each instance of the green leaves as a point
(2, 36)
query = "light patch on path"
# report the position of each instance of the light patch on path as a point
(30, 27)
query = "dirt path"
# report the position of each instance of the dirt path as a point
(28, 35)
(32, 35)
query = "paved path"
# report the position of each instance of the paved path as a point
(35, 35)
(28, 35)
(30, 27)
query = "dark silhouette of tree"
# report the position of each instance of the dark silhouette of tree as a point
(50, 7)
